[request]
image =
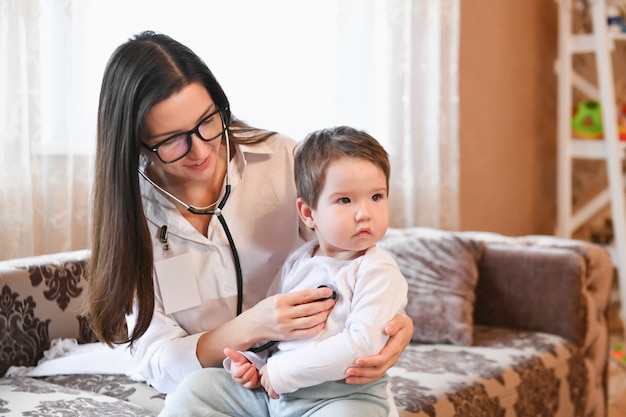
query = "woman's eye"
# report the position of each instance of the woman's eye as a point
(174, 142)
(210, 121)
(211, 128)
(205, 125)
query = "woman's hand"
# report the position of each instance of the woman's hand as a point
(291, 316)
(371, 368)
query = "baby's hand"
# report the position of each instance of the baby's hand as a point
(265, 381)
(242, 370)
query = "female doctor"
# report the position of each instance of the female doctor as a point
(193, 215)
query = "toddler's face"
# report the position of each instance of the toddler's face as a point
(352, 212)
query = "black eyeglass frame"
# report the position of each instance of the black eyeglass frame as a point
(220, 111)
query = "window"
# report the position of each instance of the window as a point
(276, 60)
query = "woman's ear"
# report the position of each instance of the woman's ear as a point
(306, 213)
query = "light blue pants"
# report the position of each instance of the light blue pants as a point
(211, 392)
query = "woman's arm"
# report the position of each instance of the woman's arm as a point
(166, 353)
(279, 317)
(371, 368)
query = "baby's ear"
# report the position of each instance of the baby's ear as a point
(306, 213)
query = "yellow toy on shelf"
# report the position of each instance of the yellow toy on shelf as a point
(621, 124)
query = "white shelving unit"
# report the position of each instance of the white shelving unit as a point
(600, 43)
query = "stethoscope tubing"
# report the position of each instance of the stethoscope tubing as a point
(217, 212)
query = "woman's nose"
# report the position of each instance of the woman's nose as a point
(197, 145)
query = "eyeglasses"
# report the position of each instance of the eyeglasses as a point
(176, 147)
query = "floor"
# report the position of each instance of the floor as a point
(617, 366)
(617, 383)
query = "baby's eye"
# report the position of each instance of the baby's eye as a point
(343, 200)
(377, 197)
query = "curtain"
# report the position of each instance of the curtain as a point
(387, 66)
(399, 77)
(44, 162)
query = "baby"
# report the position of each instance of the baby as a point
(342, 179)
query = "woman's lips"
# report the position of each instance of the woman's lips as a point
(200, 165)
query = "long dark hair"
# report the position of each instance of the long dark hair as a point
(142, 72)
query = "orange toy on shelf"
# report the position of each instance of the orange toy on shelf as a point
(618, 354)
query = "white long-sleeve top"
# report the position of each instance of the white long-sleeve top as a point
(371, 291)
(262, 217)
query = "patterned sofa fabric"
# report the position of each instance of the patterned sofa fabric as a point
(526, 357)
(506, 372)
(40, 300)
(24, 396)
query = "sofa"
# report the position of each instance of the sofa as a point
(504, 326)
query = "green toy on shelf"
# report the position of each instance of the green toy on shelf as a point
(587, 120)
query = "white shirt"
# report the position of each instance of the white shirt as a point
(371, 291)
(262, 217)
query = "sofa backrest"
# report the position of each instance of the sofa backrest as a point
(40, 300)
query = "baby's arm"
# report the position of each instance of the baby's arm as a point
(242, 370)
(379, 292)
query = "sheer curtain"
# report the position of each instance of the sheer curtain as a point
(399, 77)
(44, 162)
(387, 66)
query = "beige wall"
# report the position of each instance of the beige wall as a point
(508, 116)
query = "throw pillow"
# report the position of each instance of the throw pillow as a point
(442, 275)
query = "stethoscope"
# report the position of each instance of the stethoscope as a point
(233, 249)
(217, 211)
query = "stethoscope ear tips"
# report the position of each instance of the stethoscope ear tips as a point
(333, 296)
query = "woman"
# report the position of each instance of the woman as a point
(178, 177)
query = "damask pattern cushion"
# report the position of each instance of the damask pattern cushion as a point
(121, 387)
(442, 275)
(24, 396)
(40, 300)
(506, 373)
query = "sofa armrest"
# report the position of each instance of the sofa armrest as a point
(40, 300)
(542, 283)
(552, 285)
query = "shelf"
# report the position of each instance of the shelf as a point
(601, 43)
(585, 43)
(592, 148)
